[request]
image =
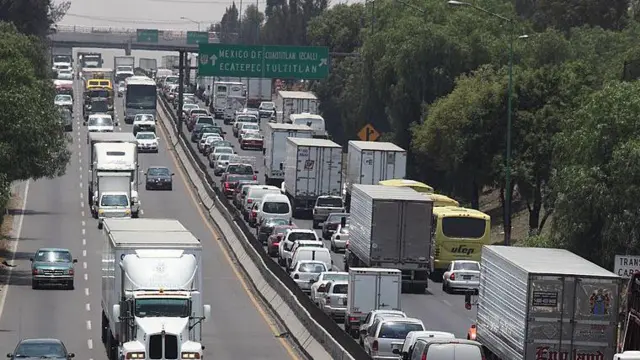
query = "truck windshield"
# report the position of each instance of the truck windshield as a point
(100, 121)
(141, 96)
(329, 202)
(114, 200)
(162, 307)
(99, 106)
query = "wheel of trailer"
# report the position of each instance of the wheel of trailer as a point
(444, 287)
(315, 224)
(105, 326)
(90, 197)
(34, 284)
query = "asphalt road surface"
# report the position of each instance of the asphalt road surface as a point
(57, 214)
(437, 309)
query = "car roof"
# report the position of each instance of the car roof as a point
(53, 249)
(158, 167)
(275, 196)
(400, 319)
(300, 262)
(304, 230)
(145, 132)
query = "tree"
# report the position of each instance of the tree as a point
(33, 17)
(229, 25)
(567, 14)
(32, 141)
(251, 25)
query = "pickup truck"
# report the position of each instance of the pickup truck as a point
(325, 205)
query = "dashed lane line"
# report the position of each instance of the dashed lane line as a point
(87, 306)
(86, 291)
(84, 264)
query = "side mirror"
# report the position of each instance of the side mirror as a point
(31, 259)
(363, 332)
(116, 311)
(75, 261)
(9, 356)
(207, 312)
(255, 172)
(312, 281)
(396, 351)
(71, 355)
(172, 174)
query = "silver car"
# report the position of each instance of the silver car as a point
(305, 271)
(387, 334)
(339, 238)
(334, 299)
(461, 275)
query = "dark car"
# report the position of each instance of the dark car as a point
(158, 178)
(52, 266)
(331, 224)
(264, 230)
(67, 119)
(229, 184)
(273, 241)
(40, 349)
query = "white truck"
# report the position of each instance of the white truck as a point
(123, 66)
(112, 196)
(392, 228)
(114, 152)
(275, 149)
(258, 90)
(371, 289)
(315, 122)
(370, 162)
(227, 97)
(151, 290)
(295, 102)
(313, 167)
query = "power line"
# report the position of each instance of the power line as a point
(130, 20)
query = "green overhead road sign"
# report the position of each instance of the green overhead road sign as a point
(263, 61)
(147, 35)
(197, 37)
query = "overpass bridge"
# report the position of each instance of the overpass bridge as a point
(65, 36)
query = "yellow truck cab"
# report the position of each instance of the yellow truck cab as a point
(460, 234)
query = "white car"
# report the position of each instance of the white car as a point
(339, 238)
(323, 279)
(100, 123)
(144, 122)
(147, 141)
(64, 101)
(65, 74)
(461, 275)
(207, 139)
(222, 150)
(374, 315)
(305, 271)
(248, 127)
(334, 301)
(220, 162)
(286, 245)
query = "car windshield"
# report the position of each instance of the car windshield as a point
(302, 235)
(247, 119)
(274, 222)
(312, 267)
(146, 136)
(223, 150)
(189, 106)
(53, 256)
(240, 169)
(246, 127)
(63, 98)
(100, 121)
(329, 202)
(114, 200)
(159, 172)
(252, 135)
(40, 350)
(233, 178)
(281, 230)
(275, 208)
(154, 307)
(143, 118)
(336, 218)
(340, 289)
(223, 157)
(335, 277)
(197, 111)
(470, 266)
(221, 143)
(267, 106)
(205, 120)
(398, 330)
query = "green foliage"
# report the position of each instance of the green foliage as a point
(32, 141)
(32, 17)
(567, 14)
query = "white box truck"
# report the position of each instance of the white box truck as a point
(540, 303)
(115, 152)
(258, 90)
(295, 102)
(275, 149)
(313, 167)
(151, 290)
(112, 196)
(391, 228)
(315, 122)
(371, 289)
(370, 162)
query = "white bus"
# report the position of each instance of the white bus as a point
(139, 98)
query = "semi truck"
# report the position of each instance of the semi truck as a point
(149, 65)
(275, 149)
(543, 303)
(114, 152)
(370, 162)
(258, 90)
(391, 228)
(295, 102)
(123, 66)
(227, 98)
(151, 290)
(61, 56)
(313, 167)
(89, 60)
(371, 289)
(112, 196)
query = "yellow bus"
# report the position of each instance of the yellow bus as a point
(460, 234)
(415, 185)
(442, 200)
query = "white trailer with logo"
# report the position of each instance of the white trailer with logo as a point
(227, 98)
(313, 167)
(295, 102)
(275, 149)
(151, 290)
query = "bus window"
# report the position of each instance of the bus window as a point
(463, 227)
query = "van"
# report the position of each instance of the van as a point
(255, 193)
(447, 349)
(311, 253)
(275, 206)
(627, 355)
(413, 336)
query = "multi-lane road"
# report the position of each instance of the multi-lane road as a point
(437, 309)
(57, 215)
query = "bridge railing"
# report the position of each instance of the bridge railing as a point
(164, 33)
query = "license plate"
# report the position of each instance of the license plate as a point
(466, 277)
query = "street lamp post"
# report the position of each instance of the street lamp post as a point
(507, 176)
(191, 20)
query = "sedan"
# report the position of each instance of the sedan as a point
(251, 140)
(209, 148)
(247, 128)
(40, 349)
(52, 266)
(331, 224)
(147, 142)
(461, 275)
(339, 238)
(158, 177)
(266, 227)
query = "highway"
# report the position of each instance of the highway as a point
(437, 309)
(57, 214)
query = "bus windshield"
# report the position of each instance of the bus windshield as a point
(141, 96)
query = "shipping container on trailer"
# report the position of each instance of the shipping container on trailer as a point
(295, 102)
(275, 149)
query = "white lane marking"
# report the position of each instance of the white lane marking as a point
(80, 184)
(82, 213)
(87, 306)
(80, 178)
(447, 302)
(90, 344)
(81, 195)
(79, 154)
(119, 129)
(14, 249)
(80, 168)
(84, 231)
(84, 242)
(78, 131)
(84, 253)
(140, 202)
(88, 324)
(84, 264)
(86, 291)
(79, 146)
(82, 204)
(86, 277)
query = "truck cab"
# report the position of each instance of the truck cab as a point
(112, 204)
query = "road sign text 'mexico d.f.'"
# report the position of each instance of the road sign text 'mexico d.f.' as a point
(286, 62)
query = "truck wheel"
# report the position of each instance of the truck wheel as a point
(105, 326)
(135, 214)
(34, 284)
(99, 226)
(70, 285)
(418, 288)
(315, 224)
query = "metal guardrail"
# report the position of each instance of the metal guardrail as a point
(167, 34)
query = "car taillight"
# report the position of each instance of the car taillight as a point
(275, 244)
(353, 318)
(34, 271)
(296, 276)
(452, 276)
(71, 272)
(255, 177)
(374, 346)
(227, 185)
(249, 201)
(424, 357)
